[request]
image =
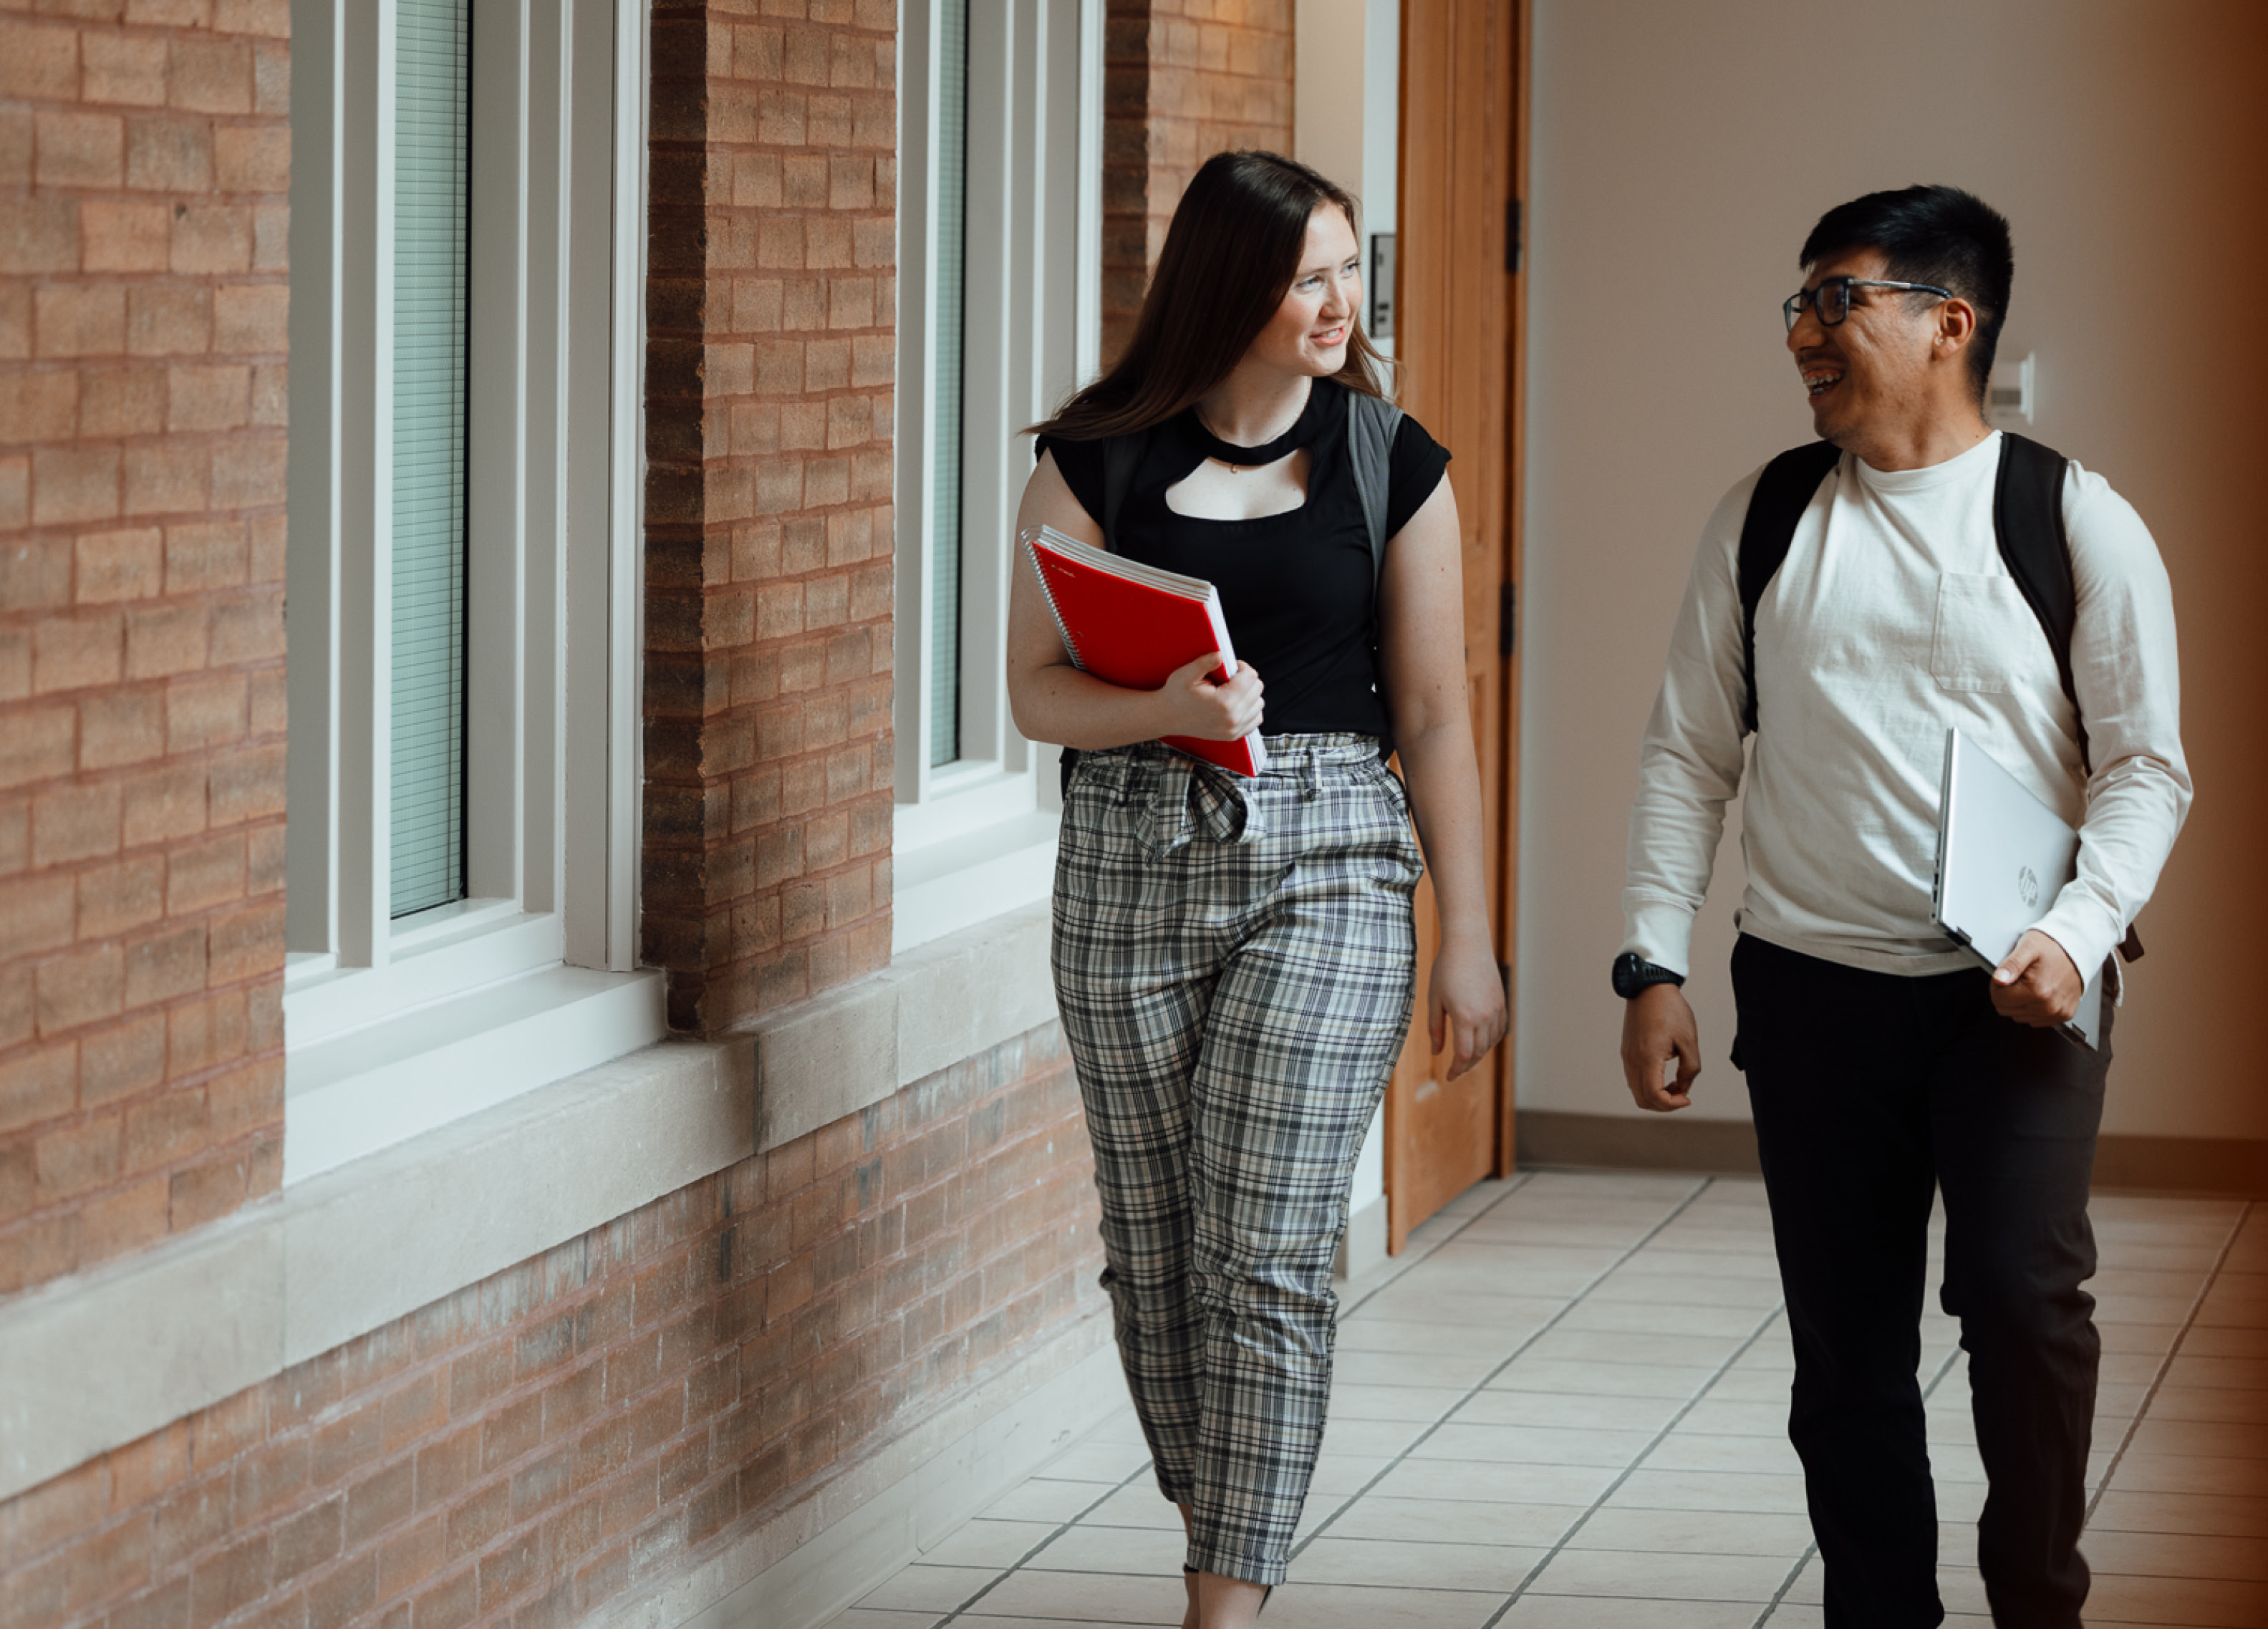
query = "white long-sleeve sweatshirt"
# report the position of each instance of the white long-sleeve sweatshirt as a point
(1892, 617)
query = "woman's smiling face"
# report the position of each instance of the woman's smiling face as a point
(1310, 330)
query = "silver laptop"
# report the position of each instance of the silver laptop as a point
(2002, 857)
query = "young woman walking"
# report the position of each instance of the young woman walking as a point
(1234, 959)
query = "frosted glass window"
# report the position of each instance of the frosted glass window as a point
(945, 440)
(431, 96)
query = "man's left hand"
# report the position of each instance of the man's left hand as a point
(2038, 983)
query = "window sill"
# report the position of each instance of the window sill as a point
(430, 957)
(951, 885)
(367, 1089)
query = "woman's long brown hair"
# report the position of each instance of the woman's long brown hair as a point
(1229, 259)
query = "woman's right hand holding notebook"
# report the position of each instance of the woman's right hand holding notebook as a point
(1195, 705)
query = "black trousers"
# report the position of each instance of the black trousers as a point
(1871, 1090)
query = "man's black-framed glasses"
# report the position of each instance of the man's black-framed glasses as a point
(1832, 298)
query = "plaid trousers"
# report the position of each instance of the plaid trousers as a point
(1234, 963)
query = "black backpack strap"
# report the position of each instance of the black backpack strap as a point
(1784, 491)
(2027, 524)
(1122, 456)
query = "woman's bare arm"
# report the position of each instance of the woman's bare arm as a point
(1421, 650)
(1051, 700)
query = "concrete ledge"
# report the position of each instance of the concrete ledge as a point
(611, 1140)
(2187, 1165)
(94, 1360)
(111, 1355)
(815, 1557)
(942, 1002)
(97, 1360)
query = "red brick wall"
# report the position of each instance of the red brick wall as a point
(770, 361)
(143, 170)
(598, 1419)
(1182, 79)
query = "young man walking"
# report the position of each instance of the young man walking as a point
(1882, 1066)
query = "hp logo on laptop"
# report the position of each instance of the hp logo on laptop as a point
(2028, 886)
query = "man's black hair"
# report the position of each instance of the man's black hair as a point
(1930, 234)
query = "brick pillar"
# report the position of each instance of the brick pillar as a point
(771, 312)
(145, 159)
(1183, 80)
(1126, 257)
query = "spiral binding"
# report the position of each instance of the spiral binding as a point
(1028, 538)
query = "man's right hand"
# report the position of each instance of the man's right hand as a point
(1195, 705)
(1658, 1026)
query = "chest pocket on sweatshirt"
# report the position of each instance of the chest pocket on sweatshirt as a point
(1986, 636)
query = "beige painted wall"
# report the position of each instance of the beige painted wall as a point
(1680, 153)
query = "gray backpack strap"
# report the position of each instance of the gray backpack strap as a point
(1372, 422)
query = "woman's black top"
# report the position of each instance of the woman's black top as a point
(1297, 586)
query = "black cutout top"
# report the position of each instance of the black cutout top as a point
(1296, 587)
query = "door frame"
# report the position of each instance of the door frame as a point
(1486, 44)
(1515, 496)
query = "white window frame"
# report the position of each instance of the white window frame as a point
(976, 837)
(394, 1027)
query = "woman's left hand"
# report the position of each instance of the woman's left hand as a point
(1464, 1003)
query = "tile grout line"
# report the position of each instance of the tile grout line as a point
(1779, 1596)
(1520, 1181)
(1062, 1527)
(1631, 1469)
(1945, 1368)
(1786, 1584)
(1481, 1385)
(2158, 1380)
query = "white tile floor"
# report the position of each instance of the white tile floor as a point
(1563, 1407)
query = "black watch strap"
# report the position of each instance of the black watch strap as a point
(1633, 973)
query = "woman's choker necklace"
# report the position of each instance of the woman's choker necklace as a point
(1241, 458)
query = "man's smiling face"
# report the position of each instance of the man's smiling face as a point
(1871, 365)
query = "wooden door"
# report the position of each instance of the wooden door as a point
(1457, 334)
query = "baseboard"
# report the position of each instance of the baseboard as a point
(1635, 1142)
(1364, 1247)
(813, 1560)
(2184, 1164)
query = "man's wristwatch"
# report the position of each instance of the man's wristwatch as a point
(1633, 973)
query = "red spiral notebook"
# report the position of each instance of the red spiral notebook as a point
(1132, 624)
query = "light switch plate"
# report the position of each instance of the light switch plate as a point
(2010, 395)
